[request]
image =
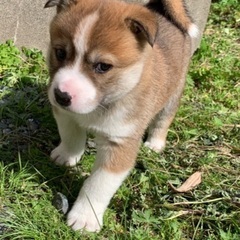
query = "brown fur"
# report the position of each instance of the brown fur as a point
(146, 56)
(174, 10)
(163, 75)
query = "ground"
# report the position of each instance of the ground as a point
(205, 136)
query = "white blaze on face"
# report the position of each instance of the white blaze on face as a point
(71, 80)
(82, 34)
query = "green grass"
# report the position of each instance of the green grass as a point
(205, 136)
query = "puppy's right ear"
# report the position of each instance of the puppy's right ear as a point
(60, 4)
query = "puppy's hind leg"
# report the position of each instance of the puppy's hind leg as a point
(73, 139)
(158, 129)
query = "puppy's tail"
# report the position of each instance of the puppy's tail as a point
(176, 12)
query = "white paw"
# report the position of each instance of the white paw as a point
(84, 217)
(155, 144)
(61, 157)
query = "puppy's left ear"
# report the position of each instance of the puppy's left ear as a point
(60, 4)
(143, 25)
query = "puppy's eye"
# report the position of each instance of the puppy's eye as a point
(102, 67)
(60, 54)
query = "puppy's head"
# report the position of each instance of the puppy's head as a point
(97, 51)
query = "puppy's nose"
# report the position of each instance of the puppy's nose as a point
(62, 98)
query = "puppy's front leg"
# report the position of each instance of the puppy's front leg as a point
(113, 163)
(73, 139)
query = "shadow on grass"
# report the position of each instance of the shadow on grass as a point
(28, 131)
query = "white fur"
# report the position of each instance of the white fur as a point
(61, 157)
(73, 134)
(78, 86)
(155, 144)
(94, 197)
(73, 139)
(81, 38)
(108, 123)
(193, 31)
(128, 80)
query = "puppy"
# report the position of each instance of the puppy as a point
(116, 69)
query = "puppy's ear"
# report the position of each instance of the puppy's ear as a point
(143, 26)
(60, 4)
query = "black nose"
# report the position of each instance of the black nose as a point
(62, 98)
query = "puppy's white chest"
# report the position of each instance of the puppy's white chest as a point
(113, 124)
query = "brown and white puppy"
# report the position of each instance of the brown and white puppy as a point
(116, 69)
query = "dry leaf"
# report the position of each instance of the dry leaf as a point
(193, 181)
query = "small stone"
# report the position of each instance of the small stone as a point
(91, 144)
(60, 202)
(33, 124)
(6, 131)
(3, 229)
(3, 125)
(4, 213)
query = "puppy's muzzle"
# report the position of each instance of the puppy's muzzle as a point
(62, 98)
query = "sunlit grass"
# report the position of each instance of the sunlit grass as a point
(204, 137)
